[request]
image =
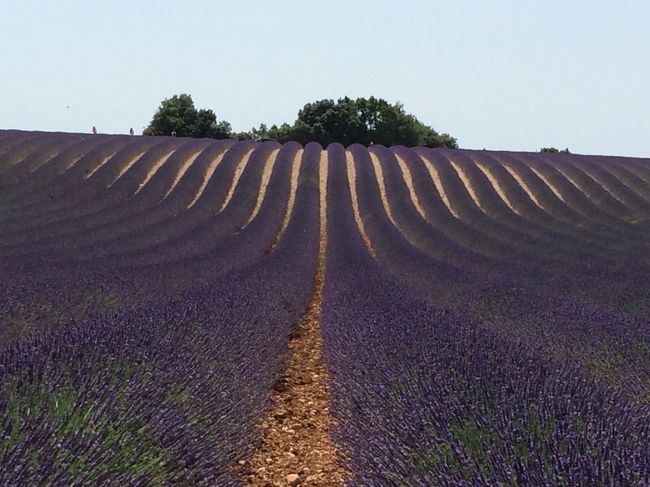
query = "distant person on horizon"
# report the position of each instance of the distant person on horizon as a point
(94, 130)
(131, 131)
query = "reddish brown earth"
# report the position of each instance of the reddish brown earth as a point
(296, 444)
(296, 433)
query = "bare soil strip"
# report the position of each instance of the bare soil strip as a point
(548, 183)
(239, 170)
(206, 177)
(468, 184)
(295, 173)
(435, 177)
(379, 175)
(352, 183)
(603, 183)
(71, 164)
(182, 170)
(588, 194)
(132, 162)
(524, 185)
(381, 183)
(296, 446)
(497, 187)
(101, 164)
(152, 171)
(266, 177)
(408, 180)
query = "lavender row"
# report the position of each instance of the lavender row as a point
(86, 201)
(512, 300)
(37, 294)
(585, 258)
(427, 396)
(169, 391)
(424, 396)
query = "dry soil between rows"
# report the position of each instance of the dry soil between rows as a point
(296, 447)
(296, 439)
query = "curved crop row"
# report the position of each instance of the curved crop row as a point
(485, 315)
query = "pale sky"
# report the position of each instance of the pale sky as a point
(496, 74)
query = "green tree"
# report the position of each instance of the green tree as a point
(363, 121)
(347, 121)
(553, 150)
(178, 115)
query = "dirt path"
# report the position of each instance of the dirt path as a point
(296, 446)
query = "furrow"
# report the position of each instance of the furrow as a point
(238, 172)
(498, 188)
(379, 176)
(98, 166)
(639, 188)
(266, 177)
(152, 171)
(352, 184)
(181, 172)
(131, 162)
(610, 180)
(523, 185)
(408, 180)
(437, 181)
(468, 185)
(206, 178)
(296, 443)
(595, 193)
(548, 183)
(295, 172)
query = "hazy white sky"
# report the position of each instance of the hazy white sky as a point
(499, 74)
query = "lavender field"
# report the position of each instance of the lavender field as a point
(485, 315)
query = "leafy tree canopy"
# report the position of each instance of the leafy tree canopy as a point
(178, 116)
(363, 121)
(553, 149)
